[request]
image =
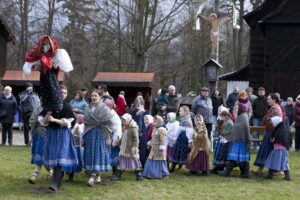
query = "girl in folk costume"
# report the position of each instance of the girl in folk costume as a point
(156, 166)
(239, 154)
(145, 137)
(172, 130)
(37, 151)
(60, 150)
(278, 159)
(184, 139)
(266, 146)
(224, 128)
(97, 135)
(129, 151)
(198, 158)
(50, 59)
(77, 134)
(117, 135)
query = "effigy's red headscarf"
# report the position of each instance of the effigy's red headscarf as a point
(37, 53)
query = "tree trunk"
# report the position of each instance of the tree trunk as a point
(240, 35)
(51, 7)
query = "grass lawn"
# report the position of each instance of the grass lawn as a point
(15, 169)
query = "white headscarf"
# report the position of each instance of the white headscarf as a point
(150, 119)
(172, 116)
(127, 117)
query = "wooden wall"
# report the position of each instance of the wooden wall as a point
(3, 53)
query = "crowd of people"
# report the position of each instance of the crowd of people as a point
(97, 133)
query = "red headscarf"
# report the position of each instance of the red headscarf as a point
(37, 53)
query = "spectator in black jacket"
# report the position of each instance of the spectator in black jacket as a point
(260, 109)
(8, 109)
(232, 98)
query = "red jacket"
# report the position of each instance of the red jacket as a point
(121, 106)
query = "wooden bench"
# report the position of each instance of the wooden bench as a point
(261, 130)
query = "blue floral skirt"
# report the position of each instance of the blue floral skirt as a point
(181, 149)
(114, 156)
(278, 160)
(37, 150)
(78, 168)
(156, 169)
(220, 158)
(96, 154)
(60, 148)
(239, 152)
(265, 149)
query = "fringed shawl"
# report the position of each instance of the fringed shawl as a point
(100, 118)
(241, 129)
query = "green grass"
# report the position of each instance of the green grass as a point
(15, 169)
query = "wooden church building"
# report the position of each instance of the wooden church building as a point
(274, 48)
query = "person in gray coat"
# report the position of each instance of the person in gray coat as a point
(202, 105)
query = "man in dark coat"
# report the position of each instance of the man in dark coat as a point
(8, 109)
(29, 100)
(232, 98)
(173, 100)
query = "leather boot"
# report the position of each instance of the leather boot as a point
(139, 176)
(172, 167)
(227, 171)
(246, 170)
(270, 174)
(57, 179)
(287, 175)
(117, 176)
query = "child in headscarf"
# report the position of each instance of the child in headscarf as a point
(129, 152)
(239, 154)
(172, 130)
(37, 152)
(77, 135)
(156, 164)
(278, 159)
(184, 139)
(145, 137)
(224, 128)
(116, 134)
(198, 158)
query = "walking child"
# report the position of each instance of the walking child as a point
(198, 158)
(156, 165)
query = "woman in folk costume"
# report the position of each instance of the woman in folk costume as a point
(278, 159)
(60, 150)
(198, 158)
(184, 139)
(224, 128)
(129, 149)
(239, 154)
(47, 56)
(116, 134)
(266, 146)
(77, 135)
(145, 137)
(172, 130)
(37, 152)
(156, 166)
(98, 129)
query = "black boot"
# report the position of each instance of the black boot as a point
(227, 171)
(270, 174)
(71, 177)
(287, 175)
(57, 179)
(139, 176)
(117, 176)
(179, 166)
(246, 170)
(114, 169)
(172, 168)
